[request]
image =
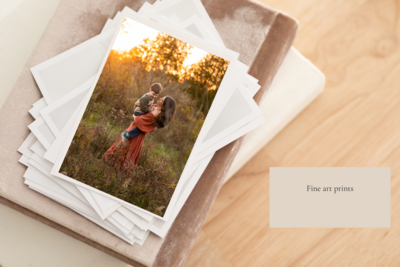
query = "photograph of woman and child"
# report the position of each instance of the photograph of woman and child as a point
(144, 116)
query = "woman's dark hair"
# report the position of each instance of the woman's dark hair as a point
(167, 112)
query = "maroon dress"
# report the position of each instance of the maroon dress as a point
(125, 155)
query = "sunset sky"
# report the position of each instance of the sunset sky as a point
(133, 33)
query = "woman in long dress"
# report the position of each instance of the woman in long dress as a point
(125, 156)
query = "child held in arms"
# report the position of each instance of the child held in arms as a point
(142, 107)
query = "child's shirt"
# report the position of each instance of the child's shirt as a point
(145, 103)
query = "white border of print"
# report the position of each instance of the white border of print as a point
(24, 149)
(34, 127)
(199, 8)
(254, 114)
(252, 85)
(38, 68)
(193, 20)
(37, 106)
(232, 137)
(59, 103)
(230, 79)
(32, 176)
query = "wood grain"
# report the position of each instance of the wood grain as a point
(355, 122)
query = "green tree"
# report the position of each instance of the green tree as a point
(205, 78)
(165, 53)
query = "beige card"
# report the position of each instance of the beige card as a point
(329, 197)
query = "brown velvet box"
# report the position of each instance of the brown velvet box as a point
(260, 34)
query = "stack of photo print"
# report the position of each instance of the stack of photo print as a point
(130, 119)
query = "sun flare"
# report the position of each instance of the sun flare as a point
(132, 34)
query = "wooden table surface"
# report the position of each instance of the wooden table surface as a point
(354, 123)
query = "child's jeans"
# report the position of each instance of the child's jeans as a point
(137, 113)
(135, 131)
